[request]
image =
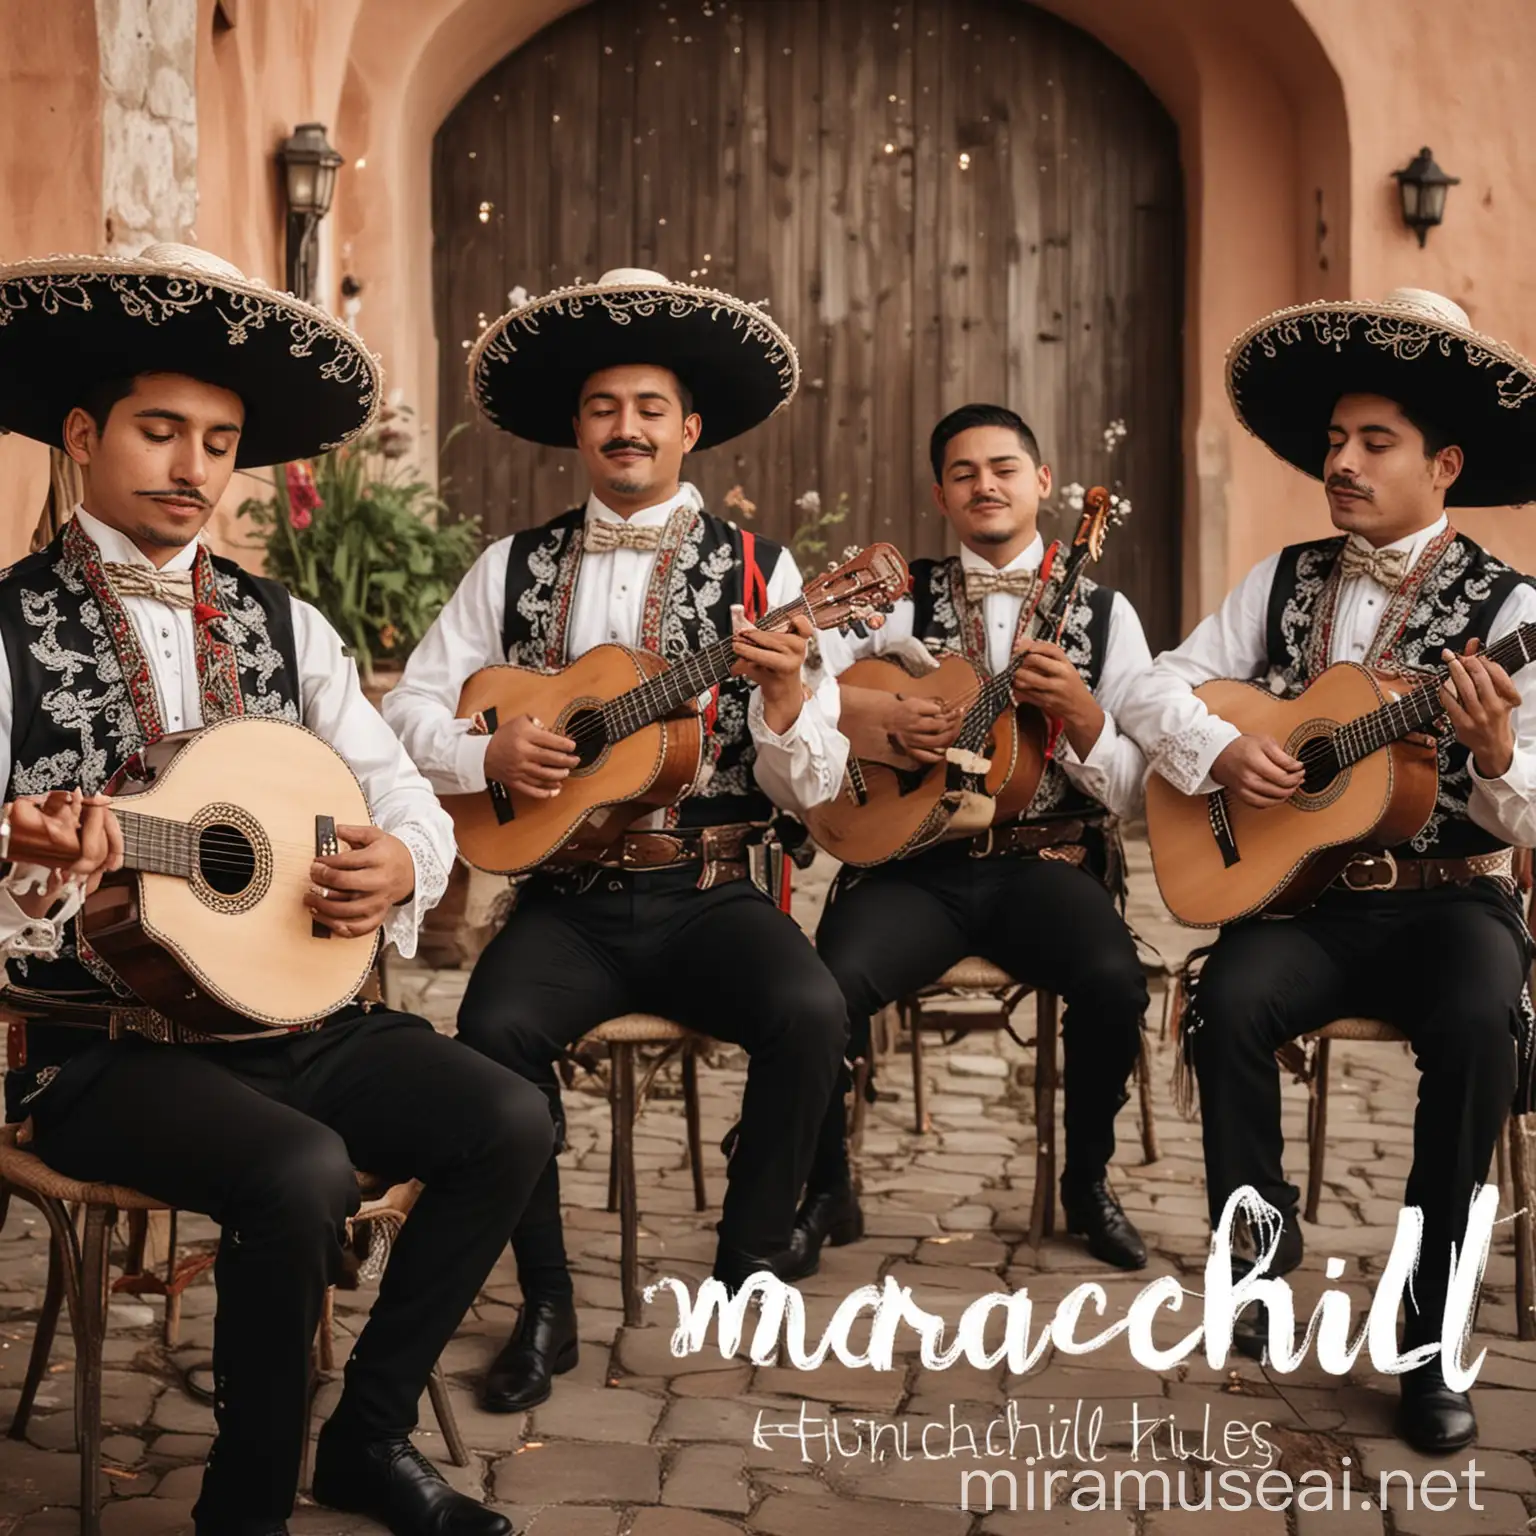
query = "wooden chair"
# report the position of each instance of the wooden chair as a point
(78, 1274)
(1001, 993)
(1516, 1161)
(623, 1038)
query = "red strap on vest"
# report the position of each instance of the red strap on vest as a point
(754, 590)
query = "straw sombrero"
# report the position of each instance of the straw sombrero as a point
(527, 368)
(1285, 373)
(67, 322)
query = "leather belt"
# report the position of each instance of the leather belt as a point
(1384, 871)
(722, 850)
(1050, 839)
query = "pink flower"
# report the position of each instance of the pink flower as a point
(303, 497)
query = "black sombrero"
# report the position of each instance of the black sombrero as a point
(527, 368)
(1285, 373)
(307, 382)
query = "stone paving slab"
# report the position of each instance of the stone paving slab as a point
(639, 1442)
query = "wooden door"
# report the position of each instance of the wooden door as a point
(943, 202)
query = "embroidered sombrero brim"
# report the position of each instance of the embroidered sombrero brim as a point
(67, 322)
(1285, 373)
(526, 370)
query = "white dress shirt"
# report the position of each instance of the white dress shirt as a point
(800, 768)
(1114, 770)
(332, 705)
(1182, 738)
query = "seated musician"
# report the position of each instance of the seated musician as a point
(1401, 410)
(666, 921)
(123, 630)
(1033, 897)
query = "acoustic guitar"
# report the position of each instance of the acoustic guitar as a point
(635, 723)
(892, 806)
(206, 922)
(1368, 787)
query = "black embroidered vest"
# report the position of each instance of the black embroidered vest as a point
(1452, 595)
(84, 702)
(698, 574)
(945, 619)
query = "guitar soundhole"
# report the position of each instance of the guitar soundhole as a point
(584, 726)
(226, 858)
(1324, 780)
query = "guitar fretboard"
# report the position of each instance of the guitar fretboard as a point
(1416, 711)
(157, 846)
(694, 674)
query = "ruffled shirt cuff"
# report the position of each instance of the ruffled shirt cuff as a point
(1185, 760)
(403, 925)
(21, 934)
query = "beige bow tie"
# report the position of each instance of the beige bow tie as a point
(601, 538)
(173, 588)
(1386, 567)
(980, 584)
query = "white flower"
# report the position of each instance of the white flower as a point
(517, 298)
(809, 503)
(1073, 496)
(1120, 505)
(1114, 433)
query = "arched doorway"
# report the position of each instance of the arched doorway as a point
(957, 200)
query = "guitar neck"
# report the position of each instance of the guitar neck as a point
(695, 674)
(150, 843)
(1418, 711)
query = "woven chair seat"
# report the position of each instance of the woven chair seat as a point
(640, 1029)
(973, 972)
(1358, 1029)
(27, 1171)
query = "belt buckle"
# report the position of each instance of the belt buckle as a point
(1370, 860)
(985, 851)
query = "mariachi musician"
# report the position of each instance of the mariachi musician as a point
(1401, 409)
(635, 372)
(1034, 897)
(123, 630)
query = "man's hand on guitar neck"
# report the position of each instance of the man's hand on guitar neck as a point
(82, 831)
(773, 660)
(1045, 678)
(353, 890)
(529, 759)
(1481, 700)
(1259, 771)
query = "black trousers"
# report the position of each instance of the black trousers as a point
(1447, 967)
(725, 961)
(902, 925)
(265, 1137)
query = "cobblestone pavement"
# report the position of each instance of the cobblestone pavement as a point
(638, 1441)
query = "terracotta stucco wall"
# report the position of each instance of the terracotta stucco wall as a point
(50, 186)
(1292, 115)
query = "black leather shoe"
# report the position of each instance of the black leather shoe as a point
(832, 1216)
(542, 1346)
(1430, 1416)
(392, 1482)
(1250, 1329)
(240, 1527)
(1093, 1212)
(733, 1267)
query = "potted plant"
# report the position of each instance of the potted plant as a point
(359, 534)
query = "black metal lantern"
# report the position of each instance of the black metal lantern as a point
(1421, 185)
(309, 183)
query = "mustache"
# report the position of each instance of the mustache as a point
(177, 495)
(1346, 483)
(627, 445)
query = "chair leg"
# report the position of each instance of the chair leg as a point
(325, 1340)
(613, 1128)
(624, 1154)
(447, 1419)
(912, 1014)
(1522, 1177)
(695, 1124)
(42, 1343)
(858, 1111)
(1042, 1213)
(172, 1325)
(88, 1350)
(1317, 1127)
(1150, 1150)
